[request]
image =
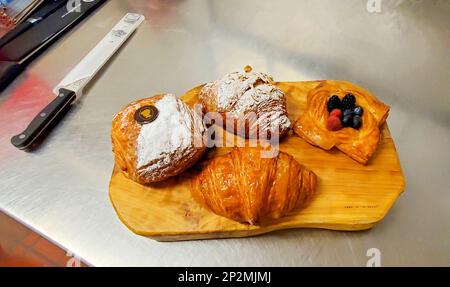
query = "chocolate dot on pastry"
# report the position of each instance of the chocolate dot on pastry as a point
(251, 100)
(157, 138)
(146, 114)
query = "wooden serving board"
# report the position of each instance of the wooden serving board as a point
(349, 196)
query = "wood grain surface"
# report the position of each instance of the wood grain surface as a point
(350, 196)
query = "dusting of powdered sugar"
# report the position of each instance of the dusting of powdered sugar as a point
(231, 87)
(274, 121)
(170, 137)
(238, 93)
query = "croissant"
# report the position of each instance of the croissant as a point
(248, 104)
(360, 144)
(248, 188)
(157, 138)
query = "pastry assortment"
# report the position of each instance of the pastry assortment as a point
(249, 102)
(344, 116)
(157, 138)
(245, 187)
(160, 137)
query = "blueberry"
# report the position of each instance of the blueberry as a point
(348, 112)
(357, 122)
(358, 111)
(347, 121)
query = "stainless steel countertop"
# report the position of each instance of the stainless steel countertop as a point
(401, 54)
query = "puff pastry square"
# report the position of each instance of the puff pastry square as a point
(360, 144)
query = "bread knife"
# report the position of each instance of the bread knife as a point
(70, 89)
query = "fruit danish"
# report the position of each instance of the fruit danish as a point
(246, 187)
(157, 138)
(249, 104)
(343, 115)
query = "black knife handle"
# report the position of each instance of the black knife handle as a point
(8, 72)
(45, 120)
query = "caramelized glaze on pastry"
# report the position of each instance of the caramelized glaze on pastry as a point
(247, 188)
(250, 101)
(166, 141)
(359, 144)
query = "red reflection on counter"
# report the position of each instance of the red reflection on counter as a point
(20, 107)
(159, 11)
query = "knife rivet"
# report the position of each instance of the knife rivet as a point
(22, 136)
(43, 115)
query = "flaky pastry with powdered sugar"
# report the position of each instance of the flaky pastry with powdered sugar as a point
(252, 102)
(157, 138)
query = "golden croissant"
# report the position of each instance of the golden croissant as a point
(246, 187)
(357, 144)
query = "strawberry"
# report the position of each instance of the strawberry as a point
(334, 123)
(336, 113)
